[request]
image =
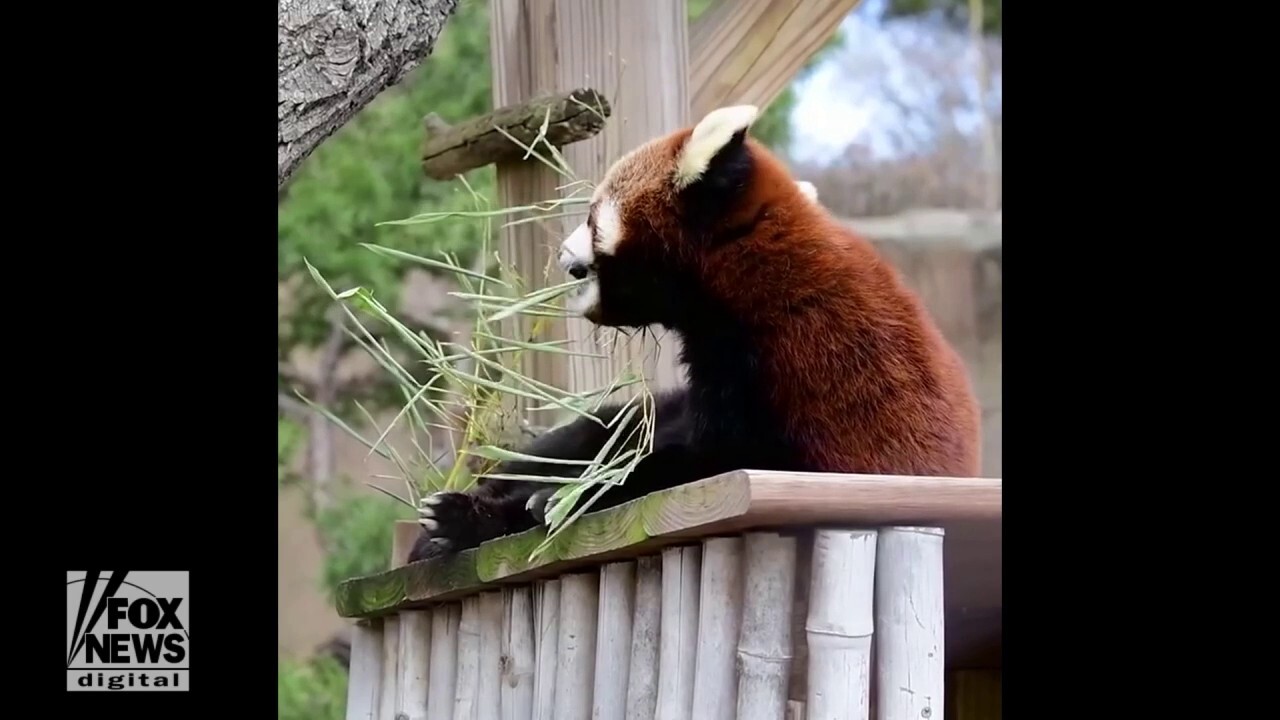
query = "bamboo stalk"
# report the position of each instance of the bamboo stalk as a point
(366, 670)
(910, 671)
(414, 664)
(681, 575)
(546, 637)
(840, 625)
(764, 646)
(642, 685)
(576, 650)
(518, 653)
(715, 683)
(443, 666)
(613, 641)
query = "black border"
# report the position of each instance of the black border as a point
(147, 430)
(149, 363)
(1101, 187)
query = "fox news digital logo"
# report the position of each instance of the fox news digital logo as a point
(127, 631)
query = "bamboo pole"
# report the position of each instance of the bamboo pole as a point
(642, 685)
(366, 670)
(465, 697)
(840, 625)
(546, 638)
(414, 664)
(910, 668)
(764, 646)
(489, 693)
(613, 641)
(681, 574)
(443, 666)
(715, 682)
(576, 649)
(518, 653)
(388, 695)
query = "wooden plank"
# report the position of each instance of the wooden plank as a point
(365, 680)
(748, 51)
(569, 117)
(728, 503)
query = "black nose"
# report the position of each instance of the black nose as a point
(578, 270)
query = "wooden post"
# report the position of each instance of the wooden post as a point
(414, 643)
(681, 576)
(613, 641)
(764, 646)
(715, 683)
(635, 53)
(546, 639)
(442, 686)
(466, 696)
(642, 687)
(415, 664)
(840, 625)
(576, 650)
(518, 653)
(910, 670)
(366, 670)
(388, 694)
(488, 697)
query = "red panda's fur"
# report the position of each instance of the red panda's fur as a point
(805, 349)
(857, 369)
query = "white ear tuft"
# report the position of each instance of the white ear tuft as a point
(709, 137)
(808, 190)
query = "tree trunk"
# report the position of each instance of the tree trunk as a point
(334, 58)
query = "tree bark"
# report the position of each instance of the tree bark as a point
(334, 58)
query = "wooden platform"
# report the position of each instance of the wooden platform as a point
(968, 508)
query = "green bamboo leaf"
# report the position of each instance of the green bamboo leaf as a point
(493, 452)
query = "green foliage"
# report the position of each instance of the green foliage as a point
(370, 172)
(357, 535)
(288, 440)
(312, 690)
(955, 12)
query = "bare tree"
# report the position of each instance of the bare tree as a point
(334, 58)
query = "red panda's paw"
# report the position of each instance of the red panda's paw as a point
(448, 521)
(541, 504)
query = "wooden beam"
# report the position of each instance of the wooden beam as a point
(730, 503)
(748, 51)
(634, 53)
(569, 117)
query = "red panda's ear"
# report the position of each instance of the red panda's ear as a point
(720, 131)
(808, 190)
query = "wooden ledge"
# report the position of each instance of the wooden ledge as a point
(730, 503)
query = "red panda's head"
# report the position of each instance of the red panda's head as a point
(664, 209)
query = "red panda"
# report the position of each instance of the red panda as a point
(804, 348)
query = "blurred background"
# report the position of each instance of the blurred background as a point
(897, 121)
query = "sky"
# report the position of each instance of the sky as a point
(842, 101)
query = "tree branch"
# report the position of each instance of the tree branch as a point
(453, 150)
(334, 58)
